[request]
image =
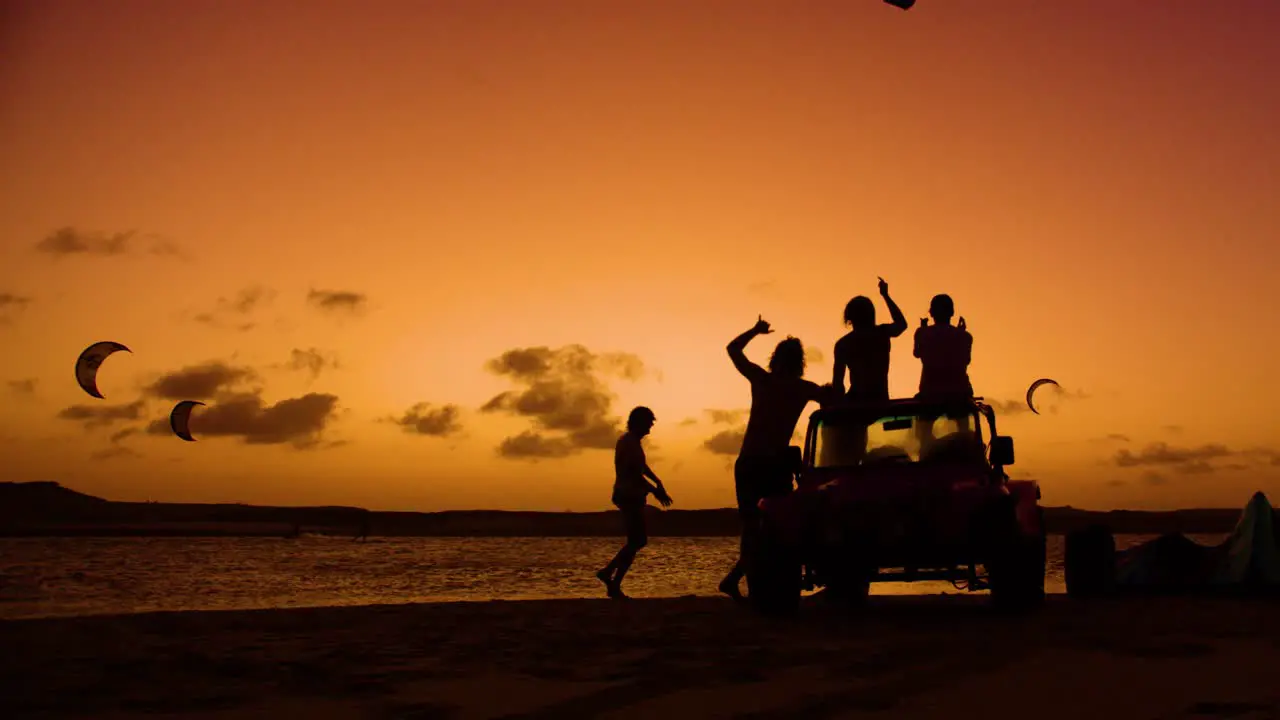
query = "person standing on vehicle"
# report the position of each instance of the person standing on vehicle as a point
(944, 351)
(864, 351)
(631, 490)
(778, 397)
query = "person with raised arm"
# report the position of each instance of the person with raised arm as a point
(864, 350)
(944, 351)
(778, 397)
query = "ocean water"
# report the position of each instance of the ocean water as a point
(45, 577)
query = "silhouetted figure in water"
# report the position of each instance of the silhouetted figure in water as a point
(763, 469)
(631, 490)
(944, 351)
(362, 533)
(864, 351)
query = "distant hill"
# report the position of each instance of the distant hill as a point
(48, 508)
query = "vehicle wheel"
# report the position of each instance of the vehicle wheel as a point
(1017, 565)
(773, 580)
(849, 580)
(1089, 565)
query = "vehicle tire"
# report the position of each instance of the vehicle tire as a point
(773, 579)
(849, 578)
(1017, 563)
(1089, 564)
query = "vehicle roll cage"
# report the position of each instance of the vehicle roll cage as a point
(868, 413)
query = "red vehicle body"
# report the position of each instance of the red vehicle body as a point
(902, 490)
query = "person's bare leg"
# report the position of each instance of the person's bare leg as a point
(627, 556)
(729, 585)
(606, 574)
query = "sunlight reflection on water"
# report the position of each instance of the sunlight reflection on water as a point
(82, 576)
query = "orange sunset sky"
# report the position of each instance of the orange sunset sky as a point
(386, 209)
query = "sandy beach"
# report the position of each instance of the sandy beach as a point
(925, 656)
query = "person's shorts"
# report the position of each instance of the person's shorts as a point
(756, 478)
(634, 523)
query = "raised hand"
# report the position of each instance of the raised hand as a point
(761, 326)
(961, 325)
(924, 322)
(884, 286)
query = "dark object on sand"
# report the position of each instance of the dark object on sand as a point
(902, 490)
(1247, 562)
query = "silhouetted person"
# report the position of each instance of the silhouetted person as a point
(864, 351)
(362, 532)
(763, 469)
(631, 490)
(944, 351)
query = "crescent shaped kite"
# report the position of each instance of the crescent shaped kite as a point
(180, 419)
(90, 360)
(904, 4)
(1032, 391)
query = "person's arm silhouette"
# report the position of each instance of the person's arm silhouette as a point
(915, 349)
(838, 366)
(658, 490)
(899, 324)
(749, 370)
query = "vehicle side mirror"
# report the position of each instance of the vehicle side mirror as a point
(1002, 450)
(795, 458)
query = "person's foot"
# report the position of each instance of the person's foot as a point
(729, 586)
(615, 592)
(604, 577)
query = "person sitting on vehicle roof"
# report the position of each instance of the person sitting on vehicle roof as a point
(864, 351)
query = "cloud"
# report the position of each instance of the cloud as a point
(1164, 454)
(688, 421)
(563, 393)
(1017, 407)
(424, 419)
(725, 442)
(1172, 429)
(1194, 460)
(310, 360)
(337, 300)
(532, 445)
(726, 417)
(10, 300)
(11, 305)
(299, 421)
(117, 451)
(199, 382)
(68, 241)
(234, 311)
(120, 435)
(1152, 477)
(22, 388)
(95, 416)
(1116, 437)
(813, 356)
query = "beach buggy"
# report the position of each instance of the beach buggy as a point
(901, 490)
